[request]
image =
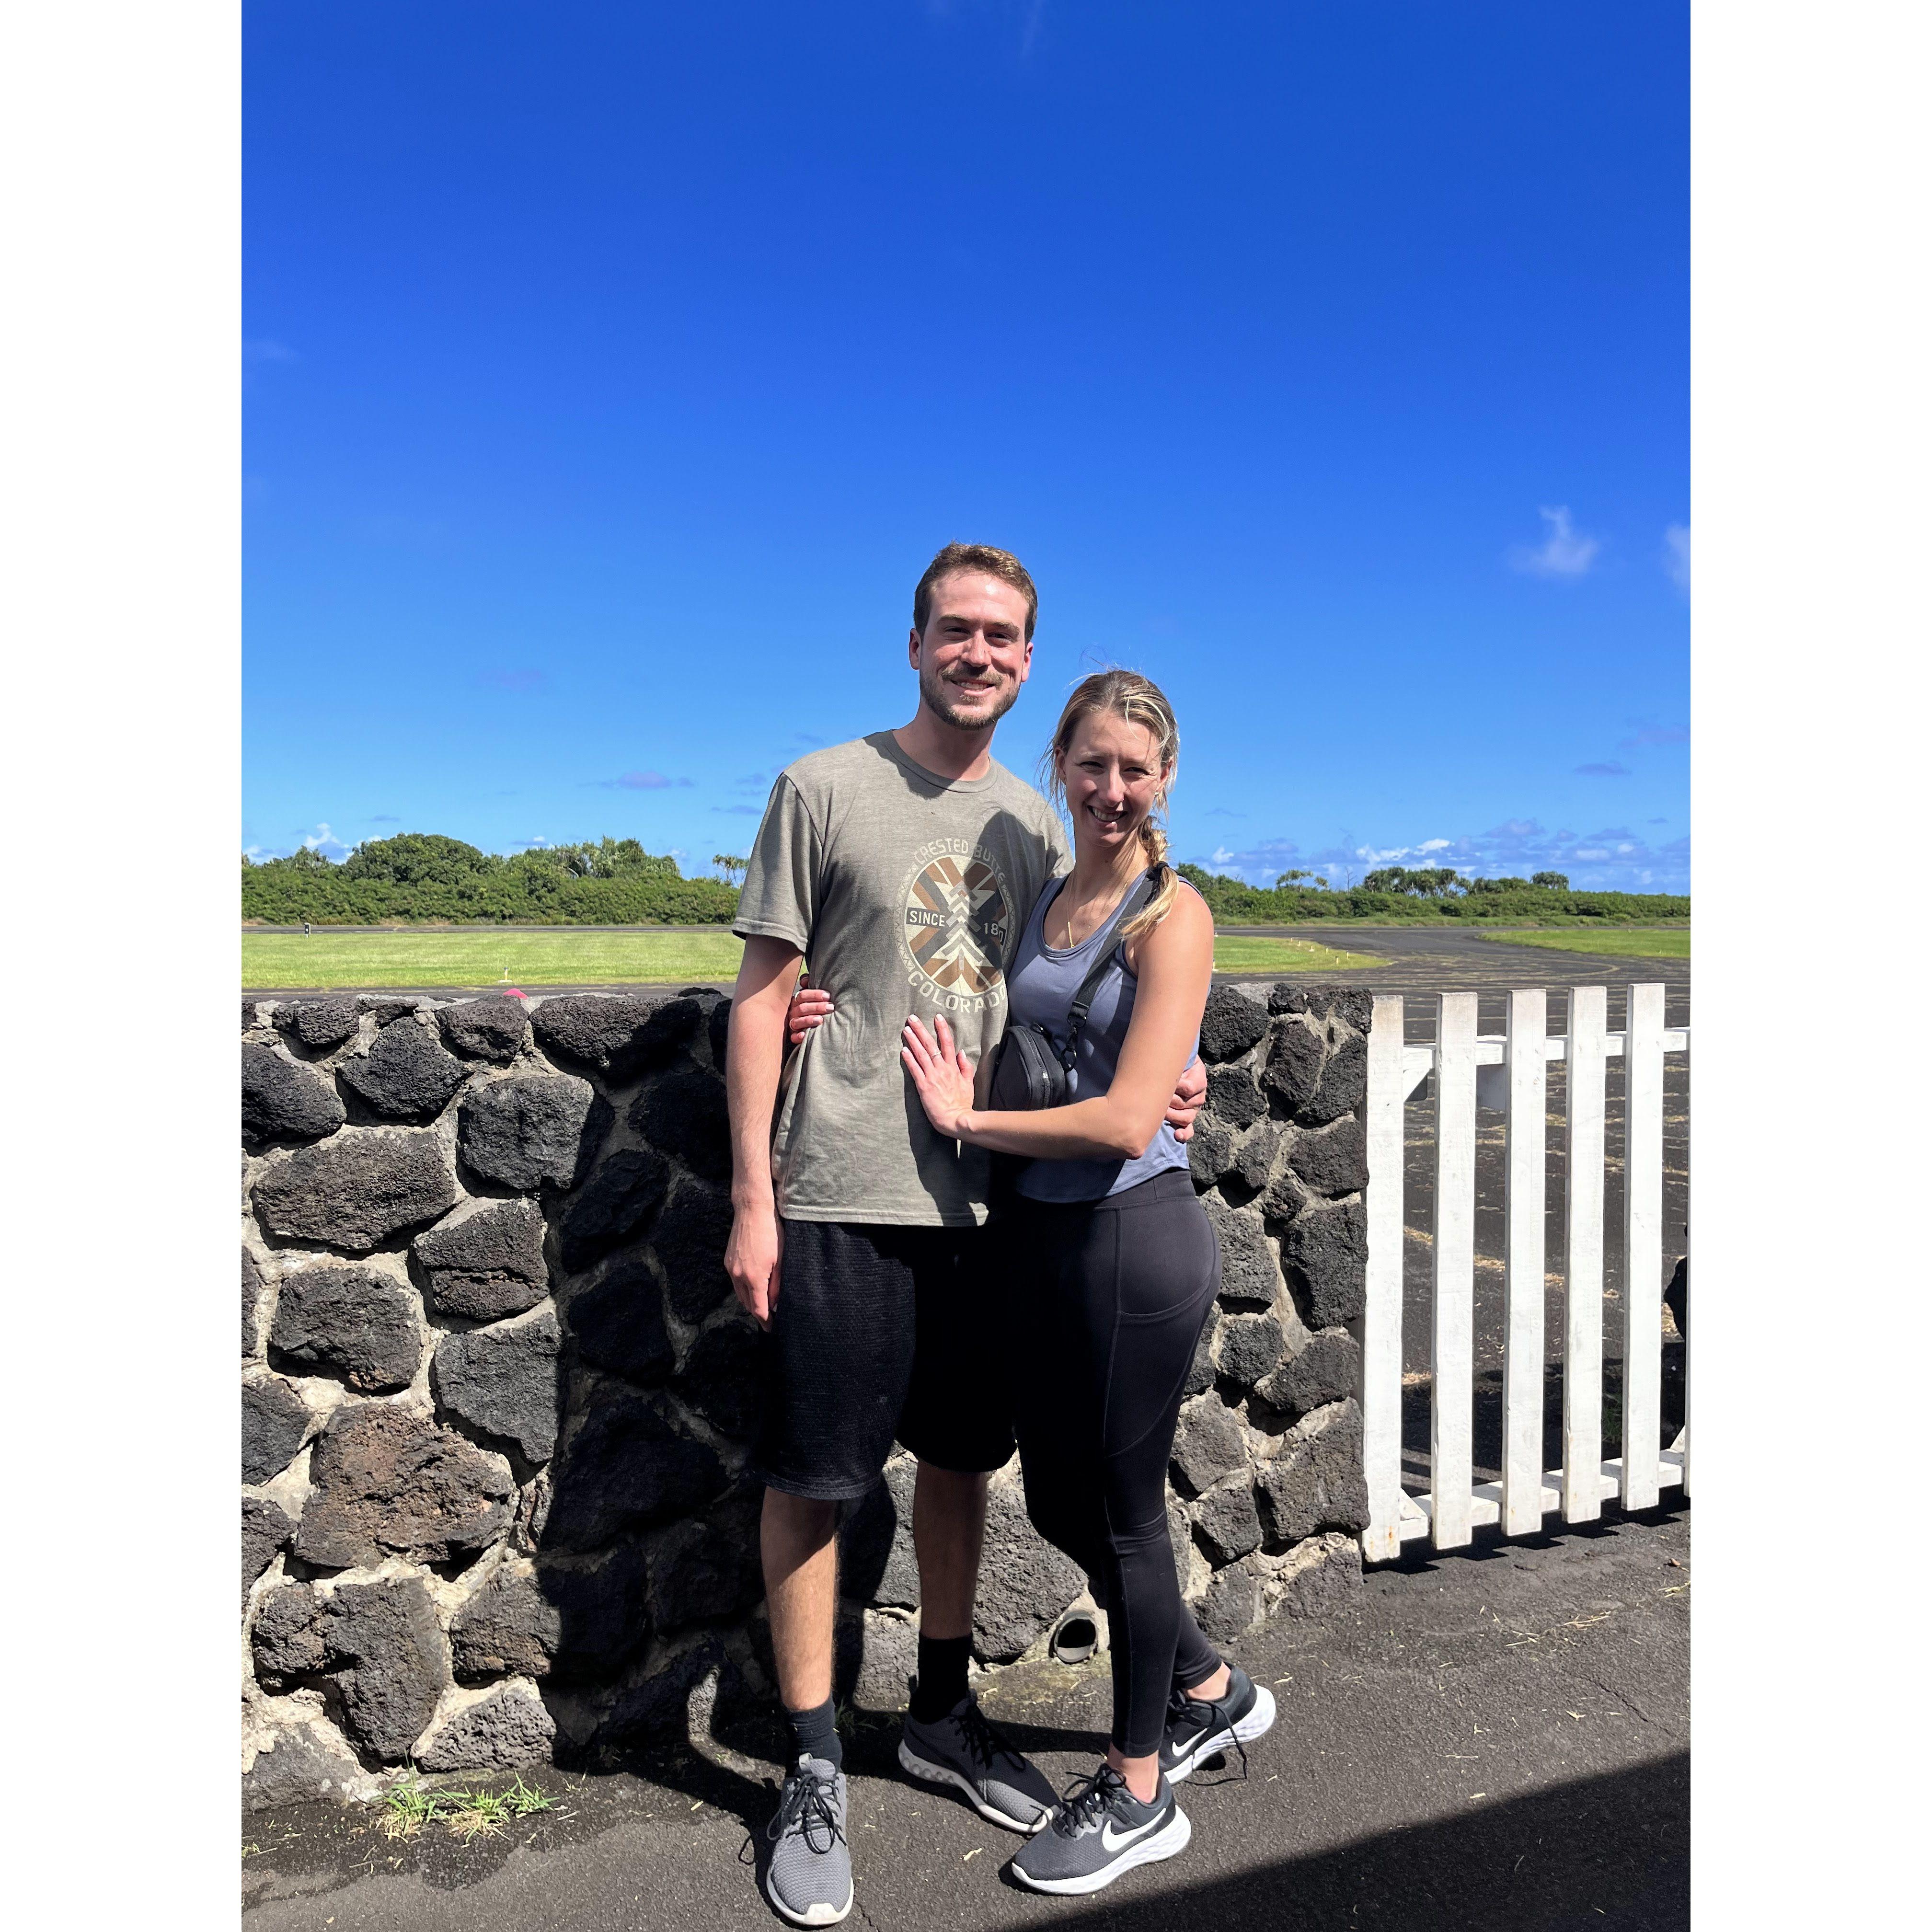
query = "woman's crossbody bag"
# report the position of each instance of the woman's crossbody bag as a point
(1030, 1072)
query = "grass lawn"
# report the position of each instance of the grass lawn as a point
(396, 961)
(1611, 942)
(1285, 956)
(505, 957)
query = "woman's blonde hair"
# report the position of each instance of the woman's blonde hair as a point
(1139, 700)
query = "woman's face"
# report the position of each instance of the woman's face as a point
(1113, 778)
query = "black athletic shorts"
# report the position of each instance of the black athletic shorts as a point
(881, 1332)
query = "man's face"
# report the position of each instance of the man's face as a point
(974, 656)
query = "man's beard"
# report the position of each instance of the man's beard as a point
(938, 694)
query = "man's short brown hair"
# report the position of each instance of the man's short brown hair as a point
(957, 556)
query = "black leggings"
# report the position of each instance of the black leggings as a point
(1109, 1299)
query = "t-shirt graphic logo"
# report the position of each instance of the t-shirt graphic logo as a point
(956, 921)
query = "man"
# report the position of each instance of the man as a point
(903, 865)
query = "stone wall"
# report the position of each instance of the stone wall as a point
(496, 1395)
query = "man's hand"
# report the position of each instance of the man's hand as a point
(1189, 1091)
(751, 1260)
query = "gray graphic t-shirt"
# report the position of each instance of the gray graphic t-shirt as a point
(907, 893)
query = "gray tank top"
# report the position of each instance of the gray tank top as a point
(1040, 986)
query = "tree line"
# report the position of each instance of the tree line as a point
(424, 876)
(1425, 894)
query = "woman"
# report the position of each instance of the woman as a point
(1112, 1267)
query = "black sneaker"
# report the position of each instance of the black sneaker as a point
(1100, 1831)
(966, 1749)
(1197, 1728)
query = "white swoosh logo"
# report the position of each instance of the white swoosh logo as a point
(1113, 1841)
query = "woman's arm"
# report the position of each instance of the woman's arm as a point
(1177, 964)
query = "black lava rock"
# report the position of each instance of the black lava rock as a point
(492, 1029)
(1344, 1086)
(1249, 1346)
(1210, 1151)
(619, 1326)
(286, 1640)
(1325, 1254)
(684, 1113)
(405, 1075)
(1248, 1276)
(1231, 1024)
(388, 1484)
(1327, 1370)
(275, 1424)
(486, 1260)
(265, 1529)
(1336, 1163)
(1316, 1482)
(1232, 1095)
(690, 1243)
(1208, 1444)
(509, 1625)
(320, 1024)
(384, 1640)
(723, 1378)
(503, 1381)
(508, 1728)
(617, 1202)
(1226, 1525)
(702, 1571)
(352, 1323)
(531, 1131)
(284, 1100)
(1293, 1070)
(251, 1302)
(357, 1189)
(626, 1468)
(608, 1033)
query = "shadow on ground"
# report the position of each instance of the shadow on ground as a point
(1609, 1851)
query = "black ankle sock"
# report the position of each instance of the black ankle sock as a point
(942, 1676)
(815, 1734)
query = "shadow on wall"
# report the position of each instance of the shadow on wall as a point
(498, 1400)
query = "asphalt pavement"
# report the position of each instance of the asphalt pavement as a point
(1493, 1739)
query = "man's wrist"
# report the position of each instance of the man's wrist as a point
(752, 1199)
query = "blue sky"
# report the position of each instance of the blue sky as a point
(611, 371)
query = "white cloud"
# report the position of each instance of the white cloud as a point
(1565, 552)
(1677, 556)
(322, 840)
(1613, 858)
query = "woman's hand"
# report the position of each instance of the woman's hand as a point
(943, 1075)
(811, 1006)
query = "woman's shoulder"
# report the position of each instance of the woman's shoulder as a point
(1188, 915)
(1186, 928)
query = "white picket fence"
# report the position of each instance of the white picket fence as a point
(1509, 1071)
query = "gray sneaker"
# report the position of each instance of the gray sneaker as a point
(1198, 1729)
(965, 1750)
(808, 1873)
(1102, 1831)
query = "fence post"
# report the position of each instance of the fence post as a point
(1583, 1260)
(1382, 1314)
(1643, 1243)
(1452, 1393)
(1525, 1143)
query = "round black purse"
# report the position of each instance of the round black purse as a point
(1030, 1071)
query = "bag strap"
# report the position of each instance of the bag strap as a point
(1076, 1014)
